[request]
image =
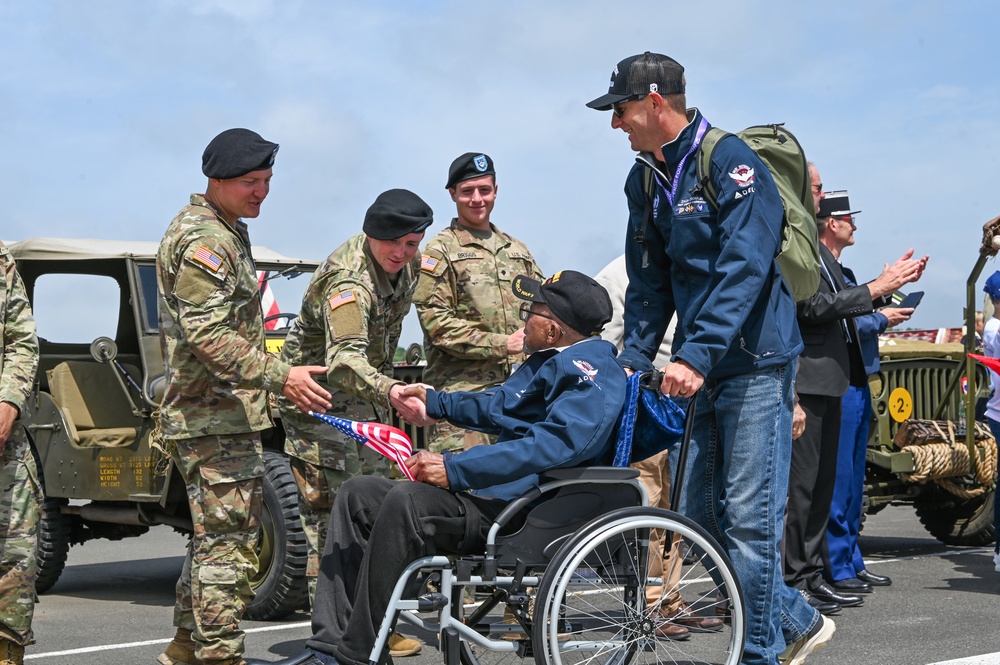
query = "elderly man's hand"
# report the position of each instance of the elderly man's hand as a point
(303, 391)
(428, 467)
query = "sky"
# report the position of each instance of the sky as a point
(107, 106)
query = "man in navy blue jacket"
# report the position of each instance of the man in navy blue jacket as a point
(736, 340)
(559, 409)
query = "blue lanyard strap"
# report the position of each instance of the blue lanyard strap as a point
(699, 135)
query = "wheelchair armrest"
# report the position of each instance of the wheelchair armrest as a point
(585, 473)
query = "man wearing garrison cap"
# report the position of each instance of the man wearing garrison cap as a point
(351, 318)
(215, 406)
(472, 335)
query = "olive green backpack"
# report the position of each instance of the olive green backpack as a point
(798, 256)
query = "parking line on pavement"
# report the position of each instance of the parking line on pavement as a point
(132, 645)
(985, 659)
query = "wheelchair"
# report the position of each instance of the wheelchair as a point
(563, 581)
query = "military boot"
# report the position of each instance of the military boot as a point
(180, 651)
(11, 653)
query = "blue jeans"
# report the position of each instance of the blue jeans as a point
(736, 485)
(995, 429)
(842, 557)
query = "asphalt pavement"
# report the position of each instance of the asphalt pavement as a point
(114, 604)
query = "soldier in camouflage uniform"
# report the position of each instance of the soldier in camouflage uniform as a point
(351, 318)
(20, 494)
(472, 333)
(215, 406)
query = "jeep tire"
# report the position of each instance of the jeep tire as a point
(280, 583)
(54, 532)
(955, 521)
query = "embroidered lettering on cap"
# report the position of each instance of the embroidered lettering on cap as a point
(342, 298)
(207, 257)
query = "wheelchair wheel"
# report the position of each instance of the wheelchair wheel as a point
(591, 605)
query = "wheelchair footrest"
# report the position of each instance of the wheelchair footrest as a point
(431, 602)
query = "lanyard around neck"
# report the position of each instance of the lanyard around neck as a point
(699, 135)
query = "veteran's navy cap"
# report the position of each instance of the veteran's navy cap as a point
(639, 75)
(576, 299)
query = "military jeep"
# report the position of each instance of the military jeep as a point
(947, 468)
(101, 377)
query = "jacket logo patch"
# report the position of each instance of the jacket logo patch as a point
(428, 263)
(588, 370)
(742, 175)
(207, 257)
(342, 298)
(691, 206)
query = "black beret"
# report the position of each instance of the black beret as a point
(468, 166)
(396, 213)
(576, 299)
(236, 152)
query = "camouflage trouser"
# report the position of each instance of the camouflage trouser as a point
(443, 436)
(20, 507)
(223, 478)
(318, 487)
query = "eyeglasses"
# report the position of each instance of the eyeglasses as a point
(618, 107)
(847, 218)
(526, 312)
(818, 188)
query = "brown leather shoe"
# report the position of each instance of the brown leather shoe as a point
(685, 617)
(672, 631)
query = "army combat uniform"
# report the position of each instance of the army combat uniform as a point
(467, 311)
(351, 319)
(20, 493)
(212, 335)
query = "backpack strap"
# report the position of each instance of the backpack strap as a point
(647, 216)
(705, 153)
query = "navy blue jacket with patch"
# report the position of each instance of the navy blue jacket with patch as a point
(559, 409)
(715, 268)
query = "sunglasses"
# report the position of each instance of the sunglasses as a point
(618, 107)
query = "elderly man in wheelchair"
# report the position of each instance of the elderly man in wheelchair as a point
(557, 547)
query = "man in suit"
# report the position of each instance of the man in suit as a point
(830, 362)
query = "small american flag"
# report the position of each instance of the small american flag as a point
(384, 439)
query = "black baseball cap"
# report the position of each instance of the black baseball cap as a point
(640, 75)
(576, 299)
(236, 152)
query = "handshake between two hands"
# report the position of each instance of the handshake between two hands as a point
(410, 402)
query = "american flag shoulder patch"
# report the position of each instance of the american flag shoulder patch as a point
(342, 298)
(208, 258)
(428, 263)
